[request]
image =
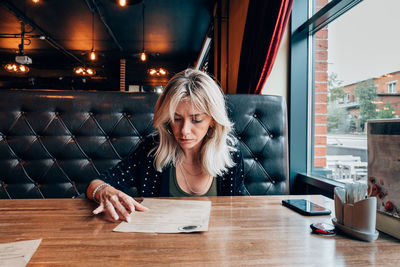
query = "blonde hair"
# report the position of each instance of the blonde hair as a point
(206, 95)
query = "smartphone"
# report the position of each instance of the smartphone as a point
(305, 207)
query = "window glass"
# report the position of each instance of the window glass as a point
(356, 66)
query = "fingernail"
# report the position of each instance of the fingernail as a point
(128, 219)
(116, 217)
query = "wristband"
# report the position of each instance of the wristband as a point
(97, 189)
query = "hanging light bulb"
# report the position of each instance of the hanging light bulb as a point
(92, 55)
(143, 56)
(122, 2)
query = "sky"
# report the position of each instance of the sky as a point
(365, 42)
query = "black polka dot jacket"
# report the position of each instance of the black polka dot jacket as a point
(137, 176)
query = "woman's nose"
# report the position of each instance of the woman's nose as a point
(185, 127)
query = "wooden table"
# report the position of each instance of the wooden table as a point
(242, 231)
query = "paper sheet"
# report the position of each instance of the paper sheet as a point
(17, 253)
(169, 216)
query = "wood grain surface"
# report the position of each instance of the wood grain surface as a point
(242, 231)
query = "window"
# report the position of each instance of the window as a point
(350, 61)
(391, 87)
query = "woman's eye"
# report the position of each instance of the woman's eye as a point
(197, 121)
(177, 119)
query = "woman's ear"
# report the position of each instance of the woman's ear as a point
(212, 124)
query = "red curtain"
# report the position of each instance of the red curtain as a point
(265, 24)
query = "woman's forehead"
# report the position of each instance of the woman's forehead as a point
(188, 107)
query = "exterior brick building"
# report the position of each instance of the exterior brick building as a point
(388, 92)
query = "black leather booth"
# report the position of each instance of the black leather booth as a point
(53, 142)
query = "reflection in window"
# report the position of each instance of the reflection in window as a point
(354, 71)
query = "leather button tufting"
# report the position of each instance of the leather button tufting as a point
(255, 115)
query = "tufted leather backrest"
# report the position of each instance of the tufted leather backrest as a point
(53, 142)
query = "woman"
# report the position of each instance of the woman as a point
(192, 152)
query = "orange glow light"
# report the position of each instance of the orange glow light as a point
(122, 2)
(157, 72)
(92, 55)
(143, 56)
(84, 71)
(35, 1)
(17, 68)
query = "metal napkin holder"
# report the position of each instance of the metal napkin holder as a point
(357, 220)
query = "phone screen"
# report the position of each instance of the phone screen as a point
(305, 207)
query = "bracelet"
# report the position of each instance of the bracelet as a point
(97, 189)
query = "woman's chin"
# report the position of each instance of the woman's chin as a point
(188, 144)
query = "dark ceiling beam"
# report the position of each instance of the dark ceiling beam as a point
(20, 15)
(103, 19)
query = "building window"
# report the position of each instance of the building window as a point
(346, 84)
(391, 87)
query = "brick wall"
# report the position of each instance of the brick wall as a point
(321, 92)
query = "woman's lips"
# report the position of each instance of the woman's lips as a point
(185, 140)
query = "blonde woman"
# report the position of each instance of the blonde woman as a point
(192, 152)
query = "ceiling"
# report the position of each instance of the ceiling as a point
(59, 37)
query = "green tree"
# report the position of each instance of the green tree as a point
(336, 118)
(386, 112)
(365, 93)
(335, 88)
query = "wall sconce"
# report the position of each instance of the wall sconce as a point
(84, 71)
(157, 72)
(16, 68)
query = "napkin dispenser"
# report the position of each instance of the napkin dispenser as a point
(357, 220)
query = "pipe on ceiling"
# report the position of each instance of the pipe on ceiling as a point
(47, 36)
(103, 19)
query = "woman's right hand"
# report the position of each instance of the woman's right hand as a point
(115, 204)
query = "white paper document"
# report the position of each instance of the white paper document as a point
(17, 253)
(169, 216)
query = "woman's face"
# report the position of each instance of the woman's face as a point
(190, 126)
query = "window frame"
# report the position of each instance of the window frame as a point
(301, 95)
(392, 85)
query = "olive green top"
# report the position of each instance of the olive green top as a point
(176, 191)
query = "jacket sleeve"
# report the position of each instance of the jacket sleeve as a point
(125, 176)
(238, 170)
